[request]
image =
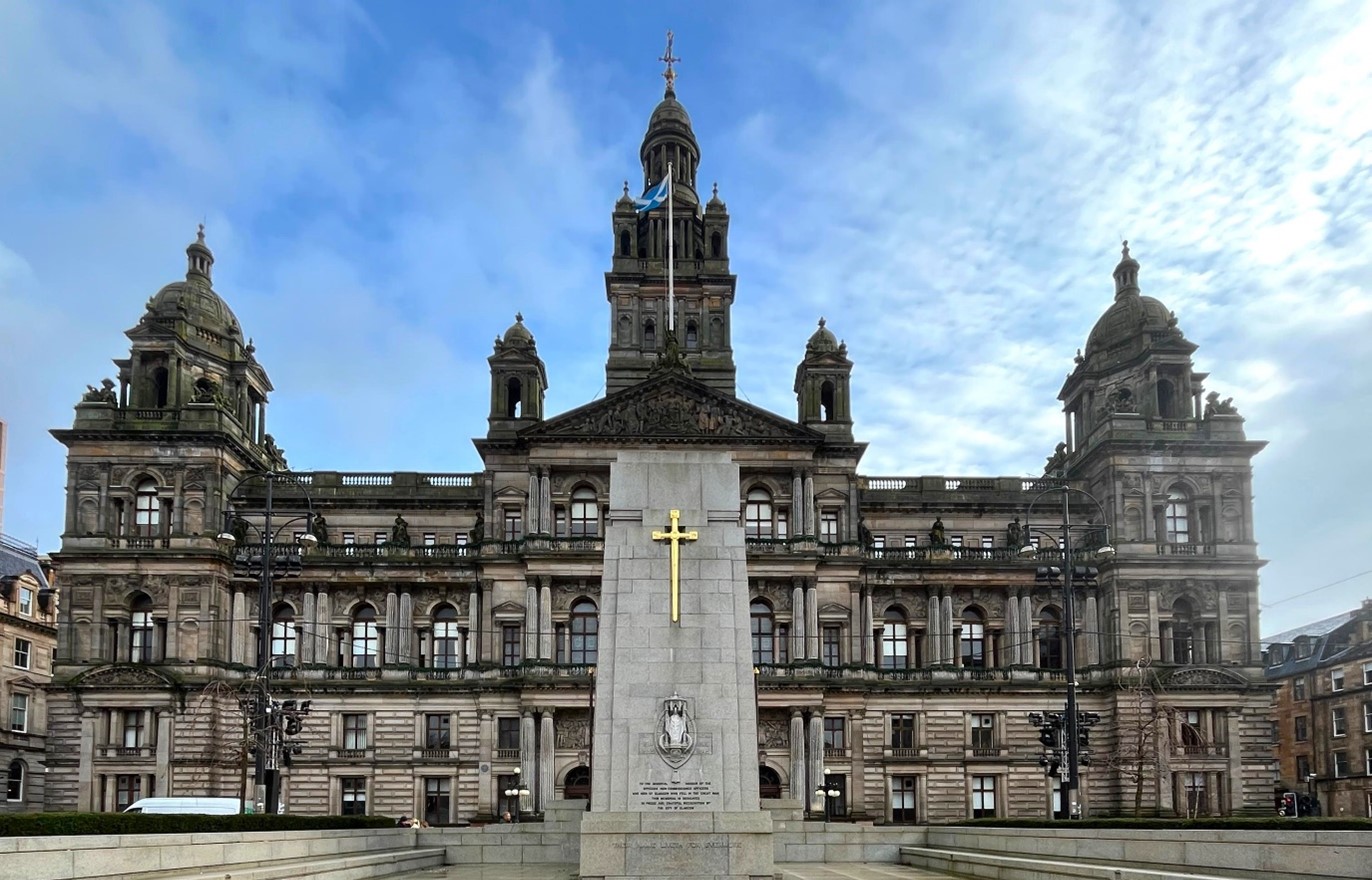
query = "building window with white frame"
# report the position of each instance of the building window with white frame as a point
(23, 653)
(1367, 717)
(1335, 680)
(983, 797)
(903, 790)
(438, 795)
(366, 638)
(14, 783)
(283, 636)
(447, 638)
(763, 627)
(983, 726)
(355, 731)
(895, 640)
(513, 521)
(19, 713)
(1176, 518)
(1338, 724)
(133, 731)
(147, 509)
(1340, 763)
(141, 629)
(353, 795)
(128, 787)
(757, 514)
(828, 526)
(583, 626)
(26, 601)
(585, 520)
(430, 539)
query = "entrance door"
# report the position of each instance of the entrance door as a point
(768, 782)
(577, 784)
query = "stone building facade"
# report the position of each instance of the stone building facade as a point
(28, 639)
(444, 628)
(1323, 720)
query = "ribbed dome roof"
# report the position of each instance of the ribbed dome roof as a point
(194, 299)
(669, 110)
(1126, 318)
(518, 334)
(822, 340)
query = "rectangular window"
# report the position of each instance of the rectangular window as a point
(1197, 798)
(783, 525)
(1367, 761)
(903, 730)
(829, 649)
(352, 795)
(19, 713)
(983, 797)
(1034, 541)
(988, 541)
(514, 524)
(983, 734)
(355, 731)
(507, 734)
(903, 798)
(460, 539)
(1340, 764)
(828, 526)
(835, 734)
(1298, 688)
(25, 601)
(1302, 767)
(912, 540)
(378, 538)
(1335, 680)
(1367, 673)
(438, 796)
(1338, 725)
(133, 728)
(509, 645)
(560, 528)
(783, 643)
(1367, 717)
(14, 787)
(430, 539)
(1302, 728)
(438, 731)
(349, 538)
(23, 653)
(128, 787)
(955, 540)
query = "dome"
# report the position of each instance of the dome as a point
(194, 300)
(669, 111)
(822, 340)
(518, 334)
(1127, 318)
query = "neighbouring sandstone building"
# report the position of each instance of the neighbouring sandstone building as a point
(1323, 726)
(444, 628)
(28, 638)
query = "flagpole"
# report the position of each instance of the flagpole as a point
(671, 257)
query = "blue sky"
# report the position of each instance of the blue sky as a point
(385, 184)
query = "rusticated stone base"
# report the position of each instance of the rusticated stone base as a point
(681, 846)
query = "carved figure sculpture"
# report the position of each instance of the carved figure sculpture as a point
(936, 535)
(103, 394)
(320, 529)
(478, 532)
(400, 532)
(206, 391)
(864, 534)
(1014, 533)
(1216, 407)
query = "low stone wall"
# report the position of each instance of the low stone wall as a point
(1269, 855)
(136, 855)
(555, 840)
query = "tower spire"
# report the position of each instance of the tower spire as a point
(669, 59)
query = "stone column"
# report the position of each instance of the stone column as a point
(545, 760)
(473, 623)
(816, 760)
(390, 653)
(545, 618)
(404, 649)
(308, 628)
(85, 769)
(950, 647)
(528, 757)
(1026, 614)
(934, 634)
(163, 721)
(855, 632)
(797, 757)
(857, 801)
(531, 619)
(532, 507)
(810, 505)
(1233, 717)
(1093, 631)
(869, 655)
(1014, 632)
(238, 624)
(1223, 626)
(545, 497)
(798, 619)
(485, 746)
(811, 619)
(324, 630)
(797, 504)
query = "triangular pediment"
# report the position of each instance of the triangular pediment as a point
(672, 407)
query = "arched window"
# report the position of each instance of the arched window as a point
(140, 629)
(366, 638)
(757, 514)
(283, 636)
(624, 243)
(716, 245)
(447, 638)
(973, 639)
(1050, 639)
(895, 640)
(146, 509)
(768, 782)
(577, 785)
(764, 632)
(584, 628)
(826, 400)
(160, 384)
(14, 785)
(1183, 641)
(585, 513)
(1167, 400)
(692, 334)
(513, 397)
(649, 334)
(1176, 518)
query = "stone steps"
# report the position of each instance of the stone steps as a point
(349, 866)
(997, 866)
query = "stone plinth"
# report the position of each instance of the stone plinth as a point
(682, 846)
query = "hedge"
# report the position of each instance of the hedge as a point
(45, 824)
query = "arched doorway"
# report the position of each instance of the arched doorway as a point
(577, 784)
(768, 782)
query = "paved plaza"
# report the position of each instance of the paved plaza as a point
(840, 871)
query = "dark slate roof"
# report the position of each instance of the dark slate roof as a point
(17, 557)
(1313, 630)
(1331, 641)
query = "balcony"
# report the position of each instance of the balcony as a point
(115, 751)
(507, 754)
(1203, 750)
(903, 754)
(437, 754)
(350, 754)
(835, 753)
(1186, 549)
(984, 752)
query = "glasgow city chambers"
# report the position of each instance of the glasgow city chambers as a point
(425, 644)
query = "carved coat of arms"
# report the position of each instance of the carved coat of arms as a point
(677, 738)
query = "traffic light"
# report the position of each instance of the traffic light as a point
(1084, 737)
(1288, 805)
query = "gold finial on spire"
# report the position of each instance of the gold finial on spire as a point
(669, 59)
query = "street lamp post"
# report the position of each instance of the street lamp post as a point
(265, 772)
(517, 793)
(1072, 721)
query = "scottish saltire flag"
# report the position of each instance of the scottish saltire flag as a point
(654, 197)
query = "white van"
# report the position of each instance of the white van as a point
(209, 806)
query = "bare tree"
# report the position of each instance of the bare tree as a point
(1143, 736)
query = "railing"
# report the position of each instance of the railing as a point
(351, 754)
(439, 754)
(1204, 749)
(938, 484)
(1189, 426)
(447, 480)
(376, 551)
(139, 542)
(507, 754)
(905, 753)
(943, 554)
(781, 545)
(1186, 549)
(986, 751)
(835, 753)
(366, 479)
(128, 751)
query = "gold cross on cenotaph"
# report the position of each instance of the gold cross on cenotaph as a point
(676, 536)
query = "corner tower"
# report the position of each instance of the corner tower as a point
(636, 285)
